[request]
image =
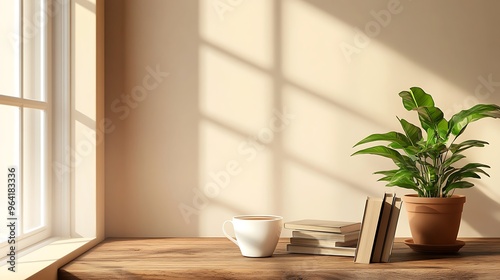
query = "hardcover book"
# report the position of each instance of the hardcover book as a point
(335, 251)
(324, 226)
(340, 237)
(391, 230)
(368, 231)
(325, 243)
(378, 229)
(380, 237)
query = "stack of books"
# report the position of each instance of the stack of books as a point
(322, 237)
(378, 229)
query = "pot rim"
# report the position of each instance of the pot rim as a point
(414, 198)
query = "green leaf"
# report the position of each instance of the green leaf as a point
(457, 185)
(430, 117)
(454, 158)
(470, 170)
(477, 170)
(457, 148)
(403, 182)
(431, 137)
(405, 173)
(388, 174)
(475, 165)
(382, 151)
(412, 152)
(460, 120)
(413, 132)
(393, 137)
(446, 174)
(470, 174)
(415, 98)
(443, 129)
(460, 185)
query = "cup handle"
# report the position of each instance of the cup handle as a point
(227, 235)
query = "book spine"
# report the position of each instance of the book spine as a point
(373, 224)
(391, 230)
(326, 236)
(348, 252)
(321, 242)
(382, 226)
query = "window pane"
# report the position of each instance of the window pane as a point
(34, 23)
(34, 165)
(9, 48)
(9, 151)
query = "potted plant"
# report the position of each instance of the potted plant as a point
(426, 160)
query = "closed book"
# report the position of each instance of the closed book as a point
(341, 237)
(324, 225)
(336, 251)
(383, 224)
(391, 230)
(321, 242)
(373, 206)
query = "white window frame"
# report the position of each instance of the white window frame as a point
(26, 239)
(78, 27)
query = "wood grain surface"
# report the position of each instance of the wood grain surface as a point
(219, 258)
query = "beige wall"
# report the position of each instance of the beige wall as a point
(226, 107)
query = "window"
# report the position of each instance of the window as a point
(25, 114)
(51, 114)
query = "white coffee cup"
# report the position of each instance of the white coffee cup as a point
(256, 235)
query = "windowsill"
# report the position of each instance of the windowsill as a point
(43, 262)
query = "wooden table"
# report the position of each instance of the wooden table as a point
(218, 258)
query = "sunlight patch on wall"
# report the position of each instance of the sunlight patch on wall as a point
(481, 130)
(84, 25)
(218, 145)
(235, 176)
(315, 136)
(320, 193)
(368, 81)
(236, 102)
(240, 27)
(233, 93)
(323, 137)
(84, 176)
(310, 53)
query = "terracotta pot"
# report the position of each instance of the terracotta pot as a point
(434, 220)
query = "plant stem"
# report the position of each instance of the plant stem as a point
(441, 167)
(422, 174)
